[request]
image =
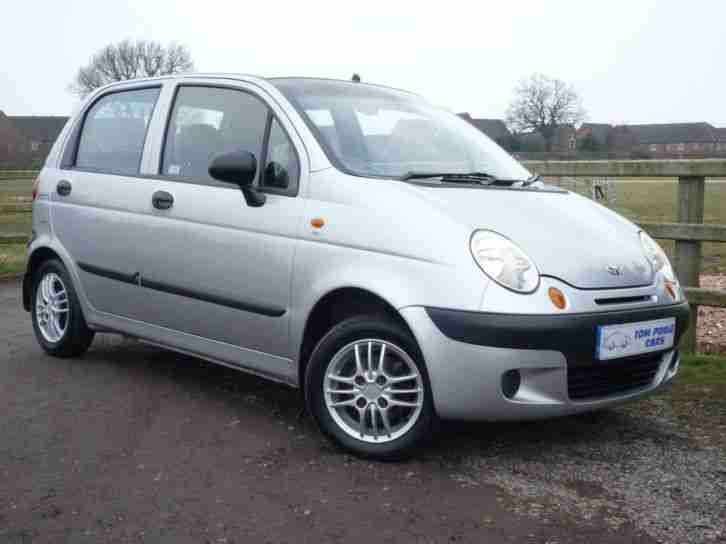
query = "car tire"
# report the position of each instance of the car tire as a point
(58, 321)
(376, 421)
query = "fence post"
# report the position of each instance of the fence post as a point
(691, 194)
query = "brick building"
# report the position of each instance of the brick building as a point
(563, 141)
(658, 140)
(494, 128)
(675, 138)
(26, 140)
(12, 143)
(598, 133)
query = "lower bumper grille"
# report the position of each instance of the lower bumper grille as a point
(608, 378)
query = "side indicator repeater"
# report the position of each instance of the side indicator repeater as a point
(671, 289)
(317, 222)
(557, 297)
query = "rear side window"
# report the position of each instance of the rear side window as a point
(114, 131)
(207, 121)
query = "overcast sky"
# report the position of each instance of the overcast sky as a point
(638, 61)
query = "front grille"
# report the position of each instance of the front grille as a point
(608, 378)
(623, 300)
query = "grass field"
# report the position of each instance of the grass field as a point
(698, 397)
(11, 189)
(14, 191)
(12, 258)
(643, 200)
(657, 201)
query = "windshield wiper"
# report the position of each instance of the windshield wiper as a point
(475, 177)
(533, 179)
(481, 178)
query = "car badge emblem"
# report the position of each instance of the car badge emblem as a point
(615, 270)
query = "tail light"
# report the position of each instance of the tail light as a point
(35, 188)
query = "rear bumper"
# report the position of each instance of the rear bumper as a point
(27, 287)
(471, 357)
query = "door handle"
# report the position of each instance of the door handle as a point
(161, 200)
(64, 187)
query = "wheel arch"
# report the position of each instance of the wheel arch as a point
(335, 306)
(36, 258)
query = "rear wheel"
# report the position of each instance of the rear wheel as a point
(367, 388)
(58, 321)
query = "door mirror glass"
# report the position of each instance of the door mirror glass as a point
(238, 167)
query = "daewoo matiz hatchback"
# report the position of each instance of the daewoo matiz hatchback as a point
(352, 240)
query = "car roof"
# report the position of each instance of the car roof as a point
(252, 78)
(333, 81)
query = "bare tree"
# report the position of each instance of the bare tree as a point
(129, 60)
(542, 103)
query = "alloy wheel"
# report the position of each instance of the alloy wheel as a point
(52, 307)
(373, 390)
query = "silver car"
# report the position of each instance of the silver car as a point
(351, 240)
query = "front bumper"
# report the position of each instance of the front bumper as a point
(469, 353)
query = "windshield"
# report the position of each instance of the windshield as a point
(374, 131)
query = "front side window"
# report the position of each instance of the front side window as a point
(281, 167)
(114, 131)
(377, 132)
(207, 121)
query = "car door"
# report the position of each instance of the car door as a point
(213, 266)
(96, 210)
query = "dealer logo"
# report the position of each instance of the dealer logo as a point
(617, 341)
(615, 270)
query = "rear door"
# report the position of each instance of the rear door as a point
(96, 206)
(213, 266)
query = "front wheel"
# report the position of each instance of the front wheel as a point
(367, 388)
(58, 321)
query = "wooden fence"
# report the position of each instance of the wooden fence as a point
(688, 233)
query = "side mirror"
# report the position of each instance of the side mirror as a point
(238, 167)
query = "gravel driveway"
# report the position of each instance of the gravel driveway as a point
(135, 444)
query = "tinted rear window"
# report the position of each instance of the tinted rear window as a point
(114, 131)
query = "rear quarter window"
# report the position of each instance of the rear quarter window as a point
(114, 131)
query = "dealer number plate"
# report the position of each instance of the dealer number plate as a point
(616, 341)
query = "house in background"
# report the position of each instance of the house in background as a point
(40, 132)
(654, 140)
(12, 143)
(593, 136)
(563, 141)
(674, 138)
(494, 128)
(26, 140)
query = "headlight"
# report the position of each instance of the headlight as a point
(657, 257)
(504, 262)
